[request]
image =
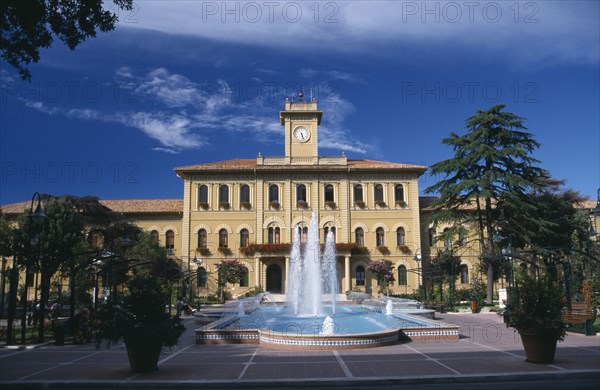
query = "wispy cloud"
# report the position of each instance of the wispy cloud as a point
(186, 114)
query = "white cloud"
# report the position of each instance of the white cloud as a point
(523, 32)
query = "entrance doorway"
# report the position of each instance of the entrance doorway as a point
(274, 279)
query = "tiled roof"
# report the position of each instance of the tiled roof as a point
(245, 164)
(119, 206)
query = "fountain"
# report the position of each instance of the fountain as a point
(309, 321)
(312, 274)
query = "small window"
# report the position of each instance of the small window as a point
(464, 274)
(301, 193)
(402, 276)
(223, 238)
(202, 238)
(223, 193)
(326, 231)
(359, 235)
(329, 193)
(170, 241)
(400, 237)
(360, 275)
(154, 237)
(244, 280)
(201, 277)
(202, 194)
(244, 238)
(358, 193)
(274, 235)
(273, 193)
(245, 193)
(380, 233)
(378, 193)
(399, 193)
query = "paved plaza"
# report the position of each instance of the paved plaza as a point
(487, 355)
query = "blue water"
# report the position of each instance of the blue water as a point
(347, 320)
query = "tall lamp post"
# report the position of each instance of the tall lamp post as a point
(417, 258)
(449, 251)
(507, 254)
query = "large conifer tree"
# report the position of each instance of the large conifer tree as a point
(492, 161)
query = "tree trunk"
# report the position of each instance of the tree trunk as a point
(44, 292)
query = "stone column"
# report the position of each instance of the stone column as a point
(347, 286)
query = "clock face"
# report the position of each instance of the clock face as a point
(301, 134)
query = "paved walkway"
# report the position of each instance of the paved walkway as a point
(487, 352)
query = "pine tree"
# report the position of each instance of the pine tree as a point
(491, 161)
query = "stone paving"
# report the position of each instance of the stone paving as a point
(487, 351)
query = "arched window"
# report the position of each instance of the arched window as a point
(326, 231)
(303, 235)
(154, 237)
(203, 194)
(464, 274)
(301, 193)
(274, 235)
(400, 237)
(245, 193)
(202, 238)
(402, 279)
(380, 233)
(329, 193)
(358, 193)
(244, 238)
(360, 275)
(244, 278)
(359, 235)
(273, 193)
(431, 233)
(378, 193)
(399, 193)
(223, 238)
(170, 240)
(201, 277)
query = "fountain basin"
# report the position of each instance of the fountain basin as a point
(352, 327)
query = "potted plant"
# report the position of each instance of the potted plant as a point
(360, 204)
(224, 205)
(534, 308)
(274, 204)
(400, 203)
(140, 320)
(301, 204)
(246, 205)
(203, 205)
(330, 204)
(380, 203)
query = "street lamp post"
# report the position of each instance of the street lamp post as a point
(417, 258)
(198, 262)
(449, 251)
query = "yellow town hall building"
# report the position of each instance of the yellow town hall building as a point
(248, 209)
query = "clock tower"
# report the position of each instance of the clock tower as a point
(301, 120)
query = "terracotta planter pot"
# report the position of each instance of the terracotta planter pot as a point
(144, 357)
(474, 306)
(538, 348)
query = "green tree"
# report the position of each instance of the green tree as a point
(491, 161)
(383, 270)
(230, 271)
(30, 25)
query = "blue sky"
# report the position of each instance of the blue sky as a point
(181, 83)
